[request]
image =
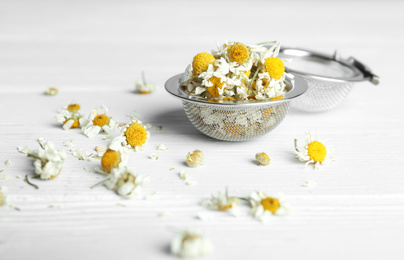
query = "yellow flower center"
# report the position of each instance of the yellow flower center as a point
(275, 67)
(101, 120)
(270, 204)
(317, 151)
(73, 107)
(239, 53)
(136, 135)
(110, 160)
(75, 124)
(214, 90)
(225, 207)
(201, 62)
(234, 129)
(276, 98)
(228, 99)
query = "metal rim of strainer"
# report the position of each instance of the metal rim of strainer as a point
(296, 87)
(360, 71)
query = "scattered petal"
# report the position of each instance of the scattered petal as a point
(69, 143)
(8, 162)
(162, 147)
(310, 184)
(154, 156)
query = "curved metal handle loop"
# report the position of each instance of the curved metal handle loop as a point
(365, 70)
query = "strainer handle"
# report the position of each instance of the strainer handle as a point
(365, 70)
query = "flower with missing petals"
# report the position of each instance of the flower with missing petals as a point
(191, 243)
(314, 151)
(113, 159)
(126, 182)
(144, 87)
(221, 201)
(48, 160)
(264, 207)
(70, 116)
(98, 121)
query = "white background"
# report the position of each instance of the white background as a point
(93, 51)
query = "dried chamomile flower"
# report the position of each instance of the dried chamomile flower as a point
(48, 160)
(51, 91)
(144, 87)
(190, 244)
(314, 151)
(113, 158)
(264, 207)
(70, 116)
(98, 121)
(195, 158)
(236, 72)
(126, 182)
(221, 201)
(263, 158)
(134, 136)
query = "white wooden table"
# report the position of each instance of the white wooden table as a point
(94, 50)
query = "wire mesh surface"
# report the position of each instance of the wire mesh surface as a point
(322, 95)
(235, 123)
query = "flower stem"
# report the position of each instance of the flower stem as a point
(99, 183)
(27, 181)
(34, 156)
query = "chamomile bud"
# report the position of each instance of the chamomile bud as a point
(263, 158)
(195, 158)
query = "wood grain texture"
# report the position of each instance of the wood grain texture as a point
(94, 50)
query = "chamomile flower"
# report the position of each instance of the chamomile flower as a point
(70, 116)
(113, 158)
(191, 243)
(265, 207)
(98, 121)
(48, 160)
(221, 201)
(51, 91)
(134, 136)
(314, 151)
(126, 182)
(195, 158)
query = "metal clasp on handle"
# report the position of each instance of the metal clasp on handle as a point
(365, 70)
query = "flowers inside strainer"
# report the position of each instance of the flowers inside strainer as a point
(329, 77)
(236, 120)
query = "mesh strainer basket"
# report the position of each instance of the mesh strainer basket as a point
(329, 77)
(236, 120)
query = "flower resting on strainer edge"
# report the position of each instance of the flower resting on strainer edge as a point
(69, 116)
(97, 121)
(222, 201)
(126, 182)
(48, 160)
(190, 243)
(313, 151)
(134, 136)
(265, 207)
